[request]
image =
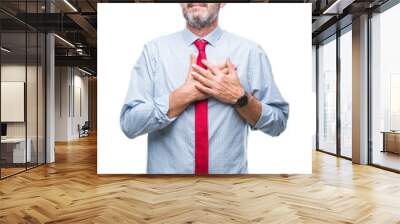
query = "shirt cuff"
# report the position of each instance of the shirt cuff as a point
(162, 106)
(265, 110)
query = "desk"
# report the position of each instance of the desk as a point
(391, 141)
(13, 150)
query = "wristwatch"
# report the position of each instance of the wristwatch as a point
(242, 101)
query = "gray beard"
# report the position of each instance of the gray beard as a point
(199, 23)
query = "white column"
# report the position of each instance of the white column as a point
(50, 110)
(360, 90)
(50, 93)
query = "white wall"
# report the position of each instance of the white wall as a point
(290, 58)
(82, 83)
(61, 83)
(70, 83)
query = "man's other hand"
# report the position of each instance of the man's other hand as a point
(193, 93)
(225, 87)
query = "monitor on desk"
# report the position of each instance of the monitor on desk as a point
(3, 130)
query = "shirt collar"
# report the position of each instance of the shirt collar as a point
(211, 38)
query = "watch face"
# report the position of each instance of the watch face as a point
(242, 101)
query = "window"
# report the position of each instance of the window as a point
(327, 96)
(385, 89)
(346, 93)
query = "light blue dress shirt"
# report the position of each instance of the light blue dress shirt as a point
(162, 67)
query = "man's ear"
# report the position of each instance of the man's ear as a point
(222, 5)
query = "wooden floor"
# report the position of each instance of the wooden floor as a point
(8, 171)
(70, 191)
(5, 172)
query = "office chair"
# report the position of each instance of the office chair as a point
(84, 130)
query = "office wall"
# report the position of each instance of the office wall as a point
(33, 126)
(15, 72)
(13, 98)
(71, 102)
(62, 80)
(24, 62)
(80, 104)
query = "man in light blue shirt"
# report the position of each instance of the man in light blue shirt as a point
(165, 85)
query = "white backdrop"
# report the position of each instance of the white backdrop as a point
(284, 32)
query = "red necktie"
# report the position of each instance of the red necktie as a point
(201, 120)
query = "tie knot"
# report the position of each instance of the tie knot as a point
(200, 44)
